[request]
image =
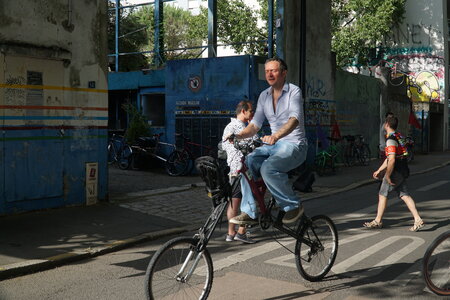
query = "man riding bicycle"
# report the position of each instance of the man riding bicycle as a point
(285, 149)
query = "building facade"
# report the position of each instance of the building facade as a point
(53, 104)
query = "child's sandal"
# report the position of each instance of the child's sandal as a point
(373, 224)
(417, 225)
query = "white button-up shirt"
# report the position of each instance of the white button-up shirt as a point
(290, 104)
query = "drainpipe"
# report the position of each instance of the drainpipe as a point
(69, 17)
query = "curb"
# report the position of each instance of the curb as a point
(37, 265)
(367, 182)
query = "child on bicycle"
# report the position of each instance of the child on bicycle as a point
(244, 113)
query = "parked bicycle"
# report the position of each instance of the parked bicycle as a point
(409, 143)
(183, 268)
(325, 160)
(357, 150)
(119, 152)
(175, 164)
(436, 265)
(191, 150)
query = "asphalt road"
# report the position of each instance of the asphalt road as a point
(371, 264)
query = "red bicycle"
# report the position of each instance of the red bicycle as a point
(185, 157)
(183, 265)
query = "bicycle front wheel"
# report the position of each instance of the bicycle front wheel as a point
(316, 248)
(436, 265)
(112, 154)
(178, 271)
(177, 163)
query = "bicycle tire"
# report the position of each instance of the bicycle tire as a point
(349, 156)
(364, 155)
(436, 265)
(320, 163)
(124, 161)
(322, 233)
(191, 162)
(112, 154)
(177, 163)
(162, 277)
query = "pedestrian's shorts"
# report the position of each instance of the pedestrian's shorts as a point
(236, 192)
(399, 187)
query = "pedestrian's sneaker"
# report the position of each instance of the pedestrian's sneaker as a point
(230, 237)
(243, 219)
(245, 238)
(293, 215)
(373, 224)
(417, 225)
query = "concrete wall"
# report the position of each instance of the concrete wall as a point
(53, 103)
(358, 106)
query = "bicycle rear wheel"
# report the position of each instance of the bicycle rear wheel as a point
(177, 163)
(436, 265)
(316, 248)
(178, 271)
(125, 157)
(364, 155)
(349, 156)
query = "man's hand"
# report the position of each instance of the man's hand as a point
(376, 174)
(269, 139)
(230, 138)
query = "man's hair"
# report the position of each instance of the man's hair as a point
(389, 113)
(243, 105)
(392, 122)
(283, 65)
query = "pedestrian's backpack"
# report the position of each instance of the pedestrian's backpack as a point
(401, 156)
(305, 181)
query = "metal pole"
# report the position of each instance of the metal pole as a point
(159, 36)
(302, 77)
(116, 35)
(212, 28)
(270, 28)
(279, 29)
(423, 131)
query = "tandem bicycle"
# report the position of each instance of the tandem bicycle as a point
(183, 269)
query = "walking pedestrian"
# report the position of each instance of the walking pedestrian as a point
(395, 169)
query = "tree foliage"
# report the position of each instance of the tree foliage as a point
(132, 36)
(360, 25)
(237, 25)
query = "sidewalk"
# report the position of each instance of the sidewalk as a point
(40, 240)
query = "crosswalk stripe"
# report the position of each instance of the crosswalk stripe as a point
(432, 186)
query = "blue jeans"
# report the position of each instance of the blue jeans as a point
(272, 162)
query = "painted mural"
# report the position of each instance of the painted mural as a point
(420, 65)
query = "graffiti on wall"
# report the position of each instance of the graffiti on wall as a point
(316, 88)
(423, 75)
(320, 111)
(412, 34)
(417, 62)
